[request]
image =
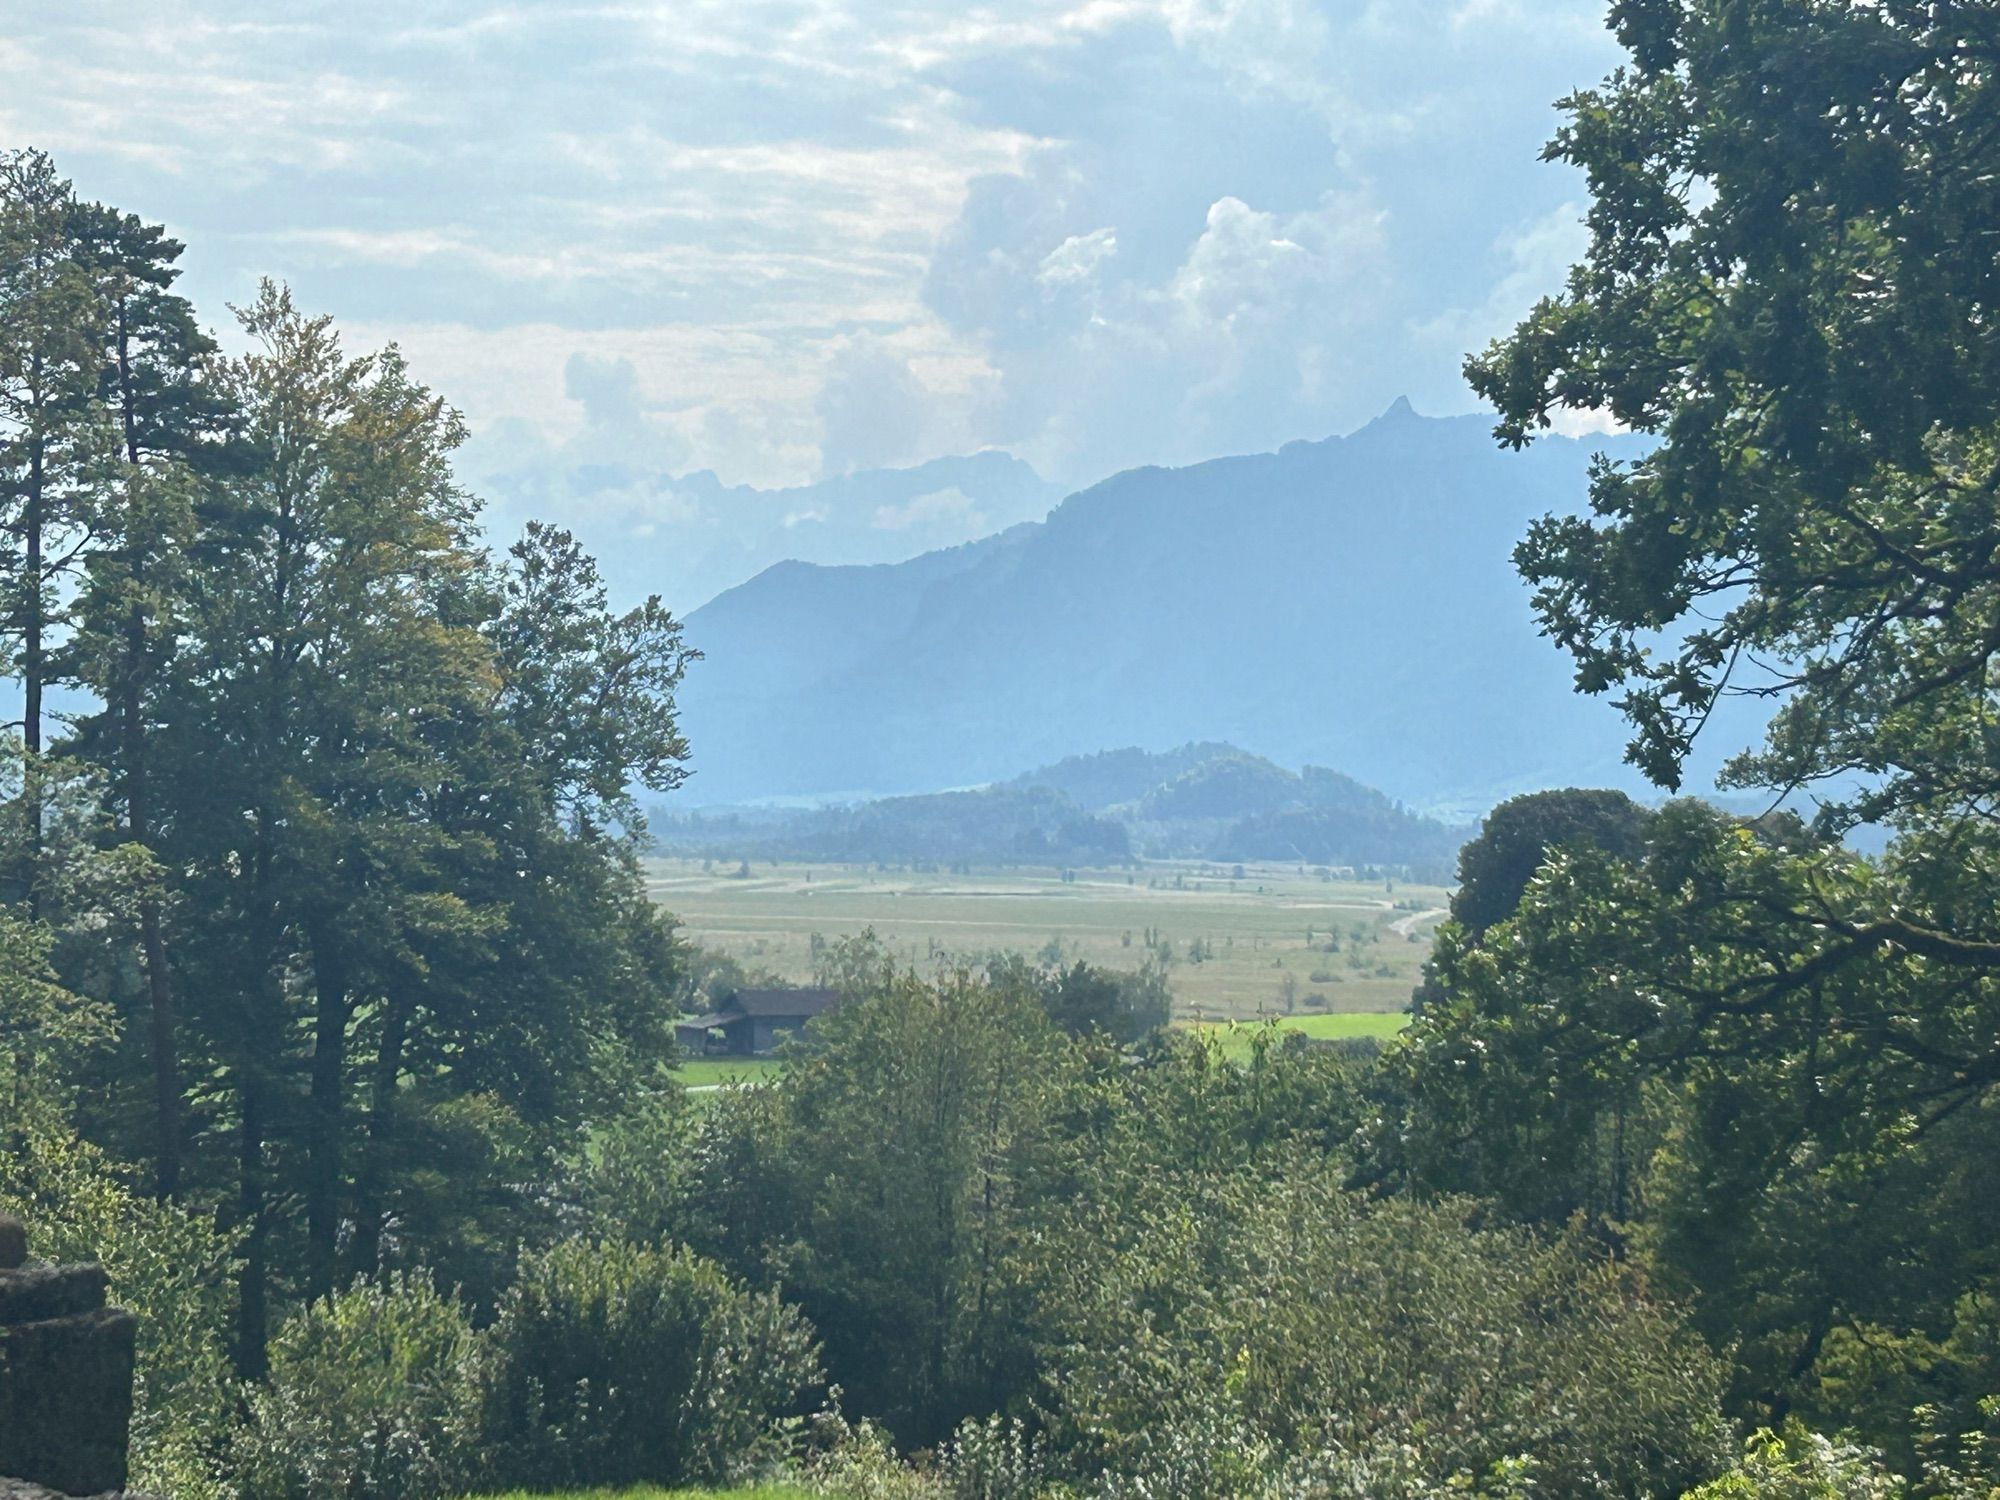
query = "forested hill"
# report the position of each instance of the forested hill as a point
(1348, 602)
(1206, 801)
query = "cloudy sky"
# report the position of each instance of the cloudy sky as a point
(791, 239)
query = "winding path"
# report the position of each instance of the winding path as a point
(1404, 926)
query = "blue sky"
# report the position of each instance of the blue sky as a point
(790, 239)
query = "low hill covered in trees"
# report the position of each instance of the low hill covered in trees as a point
(1201, 801)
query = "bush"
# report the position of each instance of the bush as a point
(859, 1462)
(369, 1395)
(166, 1264)
(1251, 1329)
(894, 1179)
(1802, 1465)
(612, 1364)
(993, 1460)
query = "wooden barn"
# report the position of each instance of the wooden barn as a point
(751, 1023)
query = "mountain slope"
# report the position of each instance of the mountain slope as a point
(1348, 602)
(689, 537)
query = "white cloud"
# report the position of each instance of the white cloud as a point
(1533, 260)
(821, 234)
(950, 509)
(1569, 422)
(1239, 341)
(1284, 46)
(1077, 258)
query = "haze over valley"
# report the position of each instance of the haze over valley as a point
(1343, 602)
(1044, 750)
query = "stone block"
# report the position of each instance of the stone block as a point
(20, 1489)
(37, 1292)
(66, 1400)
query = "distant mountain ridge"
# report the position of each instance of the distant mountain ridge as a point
(1347, 602)
(1206, 801)
(689, 537)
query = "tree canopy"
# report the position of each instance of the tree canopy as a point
(1791, 279)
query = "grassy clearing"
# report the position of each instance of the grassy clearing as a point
(1236, 1036)
(712, 1072)
(759, 1492)
(1244, 942)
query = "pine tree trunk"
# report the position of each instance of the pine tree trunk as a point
(138, 814)
(166, 1059)
(329, 1071)
(388, 1071)
(32, 665)
(252, 1286)
(32, 669)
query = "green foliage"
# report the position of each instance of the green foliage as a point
(1231, 1328)
(857, 1461)
(1786, 280)
(1081, 999)
(637, 1180)
(1748, 1060)
(1802, 1465)
(390, 993)
(44, 1028)
(370, 1397)
(1788, 1051)
(1518, 836)
(991, 1459)
(365, 986)
(888, 1181)
(997, 1458)
(614, 1364)
(168, 1265)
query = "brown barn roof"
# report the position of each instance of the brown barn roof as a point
(780, 1003)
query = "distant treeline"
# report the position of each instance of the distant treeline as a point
(1203, 801)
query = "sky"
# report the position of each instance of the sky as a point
(795, 239)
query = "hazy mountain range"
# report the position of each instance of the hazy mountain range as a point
(1349, 602)
(688, 537)
(1202, 801)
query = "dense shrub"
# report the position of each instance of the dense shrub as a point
(1239, 1330)
(167, 1264)
(369, 1398)
(992, 1459)
(1801, 1465)
(612, 1364)
(857, 1461)
(892, 1179)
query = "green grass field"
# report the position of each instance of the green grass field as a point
(1270, 941)
(1236, 1036)
(705, 1073)
(715, 1072)
(760, 1492)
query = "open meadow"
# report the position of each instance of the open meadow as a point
(1239, 942)
(706, 1075)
